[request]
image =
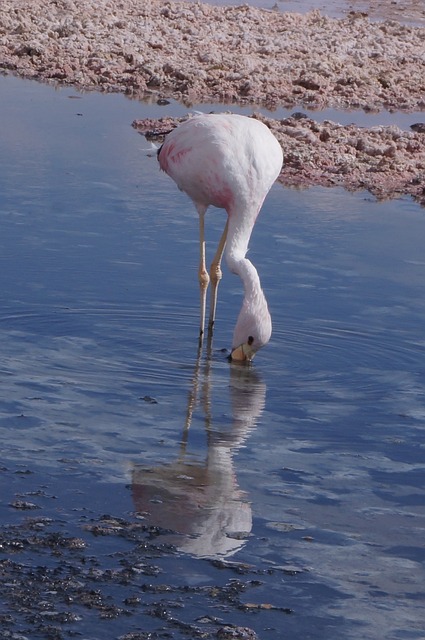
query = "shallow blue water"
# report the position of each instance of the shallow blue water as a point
(311, 463)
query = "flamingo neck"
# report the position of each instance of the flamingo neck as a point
(254, 318)
(244, 268)
(238, 235)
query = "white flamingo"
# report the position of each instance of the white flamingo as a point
(230, 162)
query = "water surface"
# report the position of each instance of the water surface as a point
(310, 464)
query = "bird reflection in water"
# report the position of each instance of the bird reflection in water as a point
(201, 502)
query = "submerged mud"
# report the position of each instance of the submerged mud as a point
(103, 575)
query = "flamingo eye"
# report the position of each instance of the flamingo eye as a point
(250, 340)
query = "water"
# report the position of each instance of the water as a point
(310, 464)
(405, 11)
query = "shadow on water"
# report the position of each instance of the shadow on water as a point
(148, 490)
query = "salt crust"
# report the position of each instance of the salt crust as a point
(200, 53)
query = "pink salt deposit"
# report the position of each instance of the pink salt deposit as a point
(198, 53)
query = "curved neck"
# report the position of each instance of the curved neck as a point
(238, 235)
(254, 318)
(247, 273)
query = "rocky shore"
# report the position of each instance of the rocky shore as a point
(198, 53)
(384, 160)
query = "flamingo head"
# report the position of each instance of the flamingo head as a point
(245, 352)
(253, 330)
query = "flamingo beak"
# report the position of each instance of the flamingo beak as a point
(243, 353)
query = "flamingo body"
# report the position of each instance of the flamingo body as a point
(230, 162)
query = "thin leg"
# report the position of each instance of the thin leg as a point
(216, 275)
(202, 273)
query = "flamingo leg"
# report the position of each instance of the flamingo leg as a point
(216, 275)
(203, 276)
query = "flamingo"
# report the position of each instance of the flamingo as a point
(228, 161)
